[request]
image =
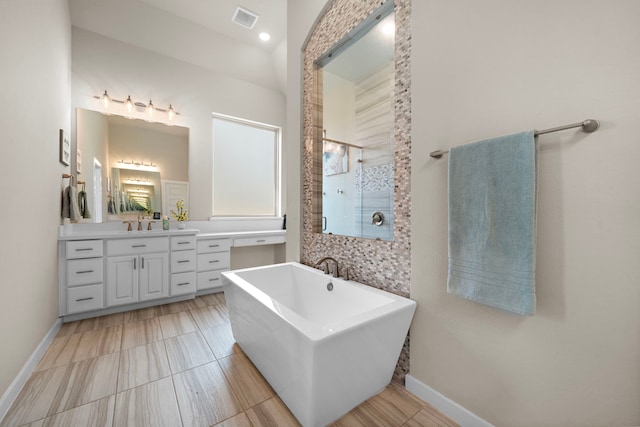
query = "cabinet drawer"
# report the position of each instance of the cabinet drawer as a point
(140, 245)
(182, 243)
(84, 271)
(214, 261)
(183, 283)
(213, 245)
(209, 279)
(182, 261)
(84, 249)
(256, 241)
(84, 298)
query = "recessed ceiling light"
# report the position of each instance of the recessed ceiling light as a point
(265, 37)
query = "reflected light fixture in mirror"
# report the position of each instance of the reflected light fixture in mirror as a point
(129, 105)
(140, 166)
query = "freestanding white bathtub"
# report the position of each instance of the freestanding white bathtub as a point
(324, 352)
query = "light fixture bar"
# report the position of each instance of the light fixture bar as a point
(105, 100)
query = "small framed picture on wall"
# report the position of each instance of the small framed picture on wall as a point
(65, 148)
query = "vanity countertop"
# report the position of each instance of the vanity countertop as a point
(255, 233)
(123, 234)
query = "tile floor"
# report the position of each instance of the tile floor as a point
(173, 365)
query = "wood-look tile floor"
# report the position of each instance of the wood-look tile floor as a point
(173, 365)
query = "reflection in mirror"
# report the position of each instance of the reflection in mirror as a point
(355, 113)
(142, 158)
(137, 192)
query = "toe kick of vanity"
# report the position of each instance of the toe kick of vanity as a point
(103, 273)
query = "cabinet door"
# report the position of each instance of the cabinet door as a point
(154, 276)
(122, 280)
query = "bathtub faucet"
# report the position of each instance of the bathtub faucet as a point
(326, 268)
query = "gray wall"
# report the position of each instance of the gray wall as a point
(488, 69)
(35, 89)
(498, 67)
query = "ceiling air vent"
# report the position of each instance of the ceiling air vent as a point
(244, 17)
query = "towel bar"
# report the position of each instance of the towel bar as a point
(588, 126)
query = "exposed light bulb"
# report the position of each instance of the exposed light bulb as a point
(171, 113)
(129, 104)
(105, 100)
(150, 108)
(265, 37)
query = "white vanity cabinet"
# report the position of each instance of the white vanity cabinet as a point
(183, 265)
(214, 257)
(137, 270)
(83, 271)
(103, 269)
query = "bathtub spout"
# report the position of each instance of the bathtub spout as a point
(327, 269)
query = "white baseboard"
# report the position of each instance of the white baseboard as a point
(453, 410)
(21, 379)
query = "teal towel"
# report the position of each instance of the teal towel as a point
(492, 222)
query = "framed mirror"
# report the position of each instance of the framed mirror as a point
(354, 122)
(136, 165)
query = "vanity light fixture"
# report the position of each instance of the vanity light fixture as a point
(138, 181)
(130, 105)
(139, 166)
(105, 99)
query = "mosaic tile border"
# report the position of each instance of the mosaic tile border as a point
(381, 264)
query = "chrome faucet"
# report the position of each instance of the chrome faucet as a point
(327, 268)
(139, 222)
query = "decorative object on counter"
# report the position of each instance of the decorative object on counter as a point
(181, 214)
(129, 106)
(70, 201)
(165, 223)
(65, 148)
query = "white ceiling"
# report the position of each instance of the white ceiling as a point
(196, 31)
(216, 15)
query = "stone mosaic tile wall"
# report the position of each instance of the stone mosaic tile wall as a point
(382, 264)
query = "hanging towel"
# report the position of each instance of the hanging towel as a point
(492, 222)
(70, 204)
(82, 204)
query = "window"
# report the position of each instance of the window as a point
(246, 168)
